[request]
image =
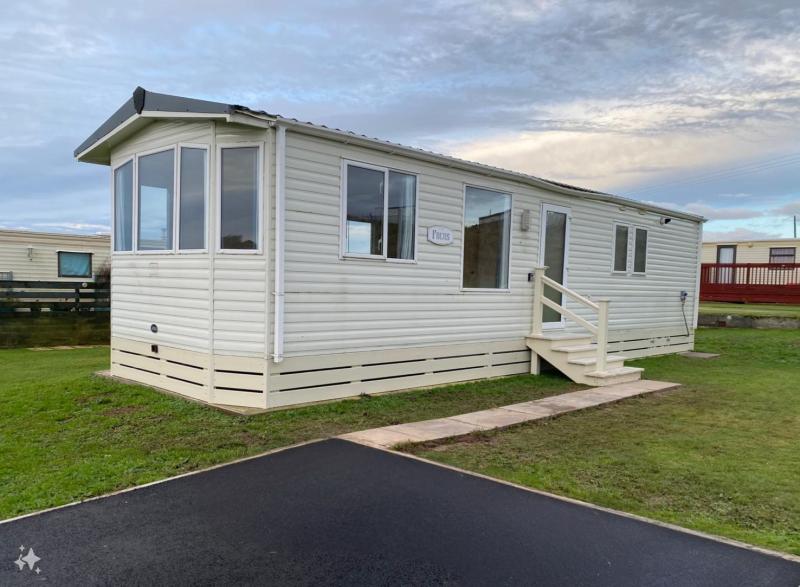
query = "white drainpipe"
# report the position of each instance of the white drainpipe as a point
(280, 209)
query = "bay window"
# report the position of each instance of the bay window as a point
(192, 199)
(487, 239)
(123, 207)
(379, 212)
(155, 201)
(239, 224)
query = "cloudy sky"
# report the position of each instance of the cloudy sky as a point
(690, 104)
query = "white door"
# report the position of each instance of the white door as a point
(726, 254)
(554, 253)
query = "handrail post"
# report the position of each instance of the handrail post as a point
(602, 333)
(538, 292)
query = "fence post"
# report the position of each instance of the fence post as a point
(602, 333)
(538, 292)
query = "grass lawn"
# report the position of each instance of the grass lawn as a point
(721, 454)
(751, 310)
(66, 435)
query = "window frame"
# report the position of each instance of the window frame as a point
(628, 256)
(479, 290)
(735, 251)
(176, 215)
(91, 264)
(794, 256)
(259, 250)
(343, 253)
(170, 251)
(630, 260)
(632, 236)
(132, 160)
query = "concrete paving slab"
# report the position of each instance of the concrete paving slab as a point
(510, 415)
(495, 418)
(433, 429)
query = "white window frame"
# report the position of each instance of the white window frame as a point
(58, 264)
(132, 161)
(461, 287)
(343, 253)
(170, 251)
(259, 250)
(632, 236)
(628, 255)
(176, 215)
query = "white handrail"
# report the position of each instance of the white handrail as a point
(601, 307)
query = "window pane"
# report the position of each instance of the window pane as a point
(74, 264)
(192, 217)
(239, 198)
(123, 207)
(621, 248)
(402, 205)
(156, 181)
(487, 232)
(364, 211)
(640, 251)
(782, 255)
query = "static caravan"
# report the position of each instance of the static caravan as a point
(43, 256)
(261, 261)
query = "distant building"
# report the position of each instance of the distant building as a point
(782, 250)
(43, 256)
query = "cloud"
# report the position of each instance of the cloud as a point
(617, 95)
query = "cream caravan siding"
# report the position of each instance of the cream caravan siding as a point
(750, 251)
(190, 295)
(42, 265)
(338, 305)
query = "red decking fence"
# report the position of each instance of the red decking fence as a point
(750, 282)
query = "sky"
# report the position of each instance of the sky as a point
(694, 105)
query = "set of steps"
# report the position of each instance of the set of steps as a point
(575, 356)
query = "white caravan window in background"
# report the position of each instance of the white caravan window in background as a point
(239, 198)
(380, 213)
(74, 264)
(640, 251)
(156, 187)
(123, 207)
(620, 248)
(192, 199)
(487, 239)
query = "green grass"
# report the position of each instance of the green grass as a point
(751, 310)
(67, 435)
(721, 454)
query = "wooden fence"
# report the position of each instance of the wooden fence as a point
(750, 282)
(51, 313)
(53, 296)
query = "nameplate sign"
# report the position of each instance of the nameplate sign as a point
(439, 235)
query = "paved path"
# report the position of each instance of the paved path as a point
(390, 436)
(338, 513)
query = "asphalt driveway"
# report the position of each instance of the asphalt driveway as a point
(342, 514)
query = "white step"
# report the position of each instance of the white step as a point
(575, 348)
(586, 361)
(614, 376)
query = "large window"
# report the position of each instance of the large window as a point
(487, 239)
(156, 186)
(782, 254)
(192, 199)
(239, 198)
(123, 207)
(380, 210)
(621, 248)
(640, 251)
(74, 264)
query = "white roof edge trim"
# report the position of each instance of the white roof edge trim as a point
(154, 115)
